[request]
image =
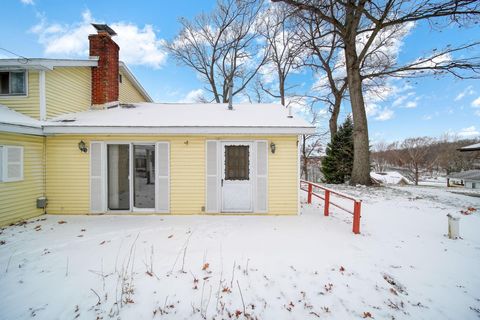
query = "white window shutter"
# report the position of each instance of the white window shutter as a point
(212, 177)
(261, 193)
(163, 177)
(97, 177)
(12, 163)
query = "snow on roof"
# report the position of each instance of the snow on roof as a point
(186, 118)
(472, 147)
(466, 175)
(389, 177)
(9, 116)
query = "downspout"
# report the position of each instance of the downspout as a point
(45, 173)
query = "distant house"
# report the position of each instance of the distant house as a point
(470, 179)
(85, 135)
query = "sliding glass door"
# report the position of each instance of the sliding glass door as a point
(144, 176)
(118, 172)
(123, 162)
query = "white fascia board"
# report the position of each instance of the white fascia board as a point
(178, 130)
(46, 64)
(15, 128)
(134, 81)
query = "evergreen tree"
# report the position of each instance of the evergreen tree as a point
(338, 163)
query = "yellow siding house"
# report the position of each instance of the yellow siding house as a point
(84, 137)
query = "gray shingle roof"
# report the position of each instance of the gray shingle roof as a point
(466, 175)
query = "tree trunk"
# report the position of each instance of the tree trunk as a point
(361, 148)
(332, 123)
(416, 175)
(305, 160)
(281, 88)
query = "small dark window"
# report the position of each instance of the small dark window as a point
(237, 162)
(120, 78)
(13, 83)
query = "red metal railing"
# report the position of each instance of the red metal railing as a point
(310, 187)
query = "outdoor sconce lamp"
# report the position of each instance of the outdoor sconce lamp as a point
(82, 146)
(272, 147)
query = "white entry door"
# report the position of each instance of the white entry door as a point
(237, 180)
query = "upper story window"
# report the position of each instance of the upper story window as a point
(13, 83)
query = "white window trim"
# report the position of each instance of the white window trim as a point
(17, 96)
(5, 163)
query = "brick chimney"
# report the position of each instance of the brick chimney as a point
(105, 75)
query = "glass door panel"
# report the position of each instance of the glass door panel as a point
(118, 173)
(144, 176)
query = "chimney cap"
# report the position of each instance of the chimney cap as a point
(104, 28)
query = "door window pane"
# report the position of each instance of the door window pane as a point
(144, 172)
(118, 172)
(237, 161)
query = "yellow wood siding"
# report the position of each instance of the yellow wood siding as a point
(68, 89)
(68, 180)
(18, 199)
(28, 105)
(127, 92)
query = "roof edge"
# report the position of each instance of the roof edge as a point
(48, 64)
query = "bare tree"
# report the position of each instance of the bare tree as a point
(222, 47)
(414, 155)
(365, 21)
(279, 31)
(310, 145)
(324, 57)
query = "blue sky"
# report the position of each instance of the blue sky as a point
(418, 107)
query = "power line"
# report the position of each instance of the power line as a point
(22, 60)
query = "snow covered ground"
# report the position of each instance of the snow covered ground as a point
(402, 266)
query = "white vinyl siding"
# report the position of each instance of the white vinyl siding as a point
(11, 163)
(163, 177)
(97, 177)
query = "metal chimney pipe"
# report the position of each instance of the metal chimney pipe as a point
(230, 95)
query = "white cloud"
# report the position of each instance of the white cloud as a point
(469, 132)
(378, 113)
(27, 2)
(138, 45)
(411, 104)
(476, 103)
(466, 92)
(193, 96)
(385, 114)
(427, 117)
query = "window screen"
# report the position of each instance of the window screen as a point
(237, 162)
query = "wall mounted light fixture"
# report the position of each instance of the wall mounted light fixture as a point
(273, 147)
(82, 146)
